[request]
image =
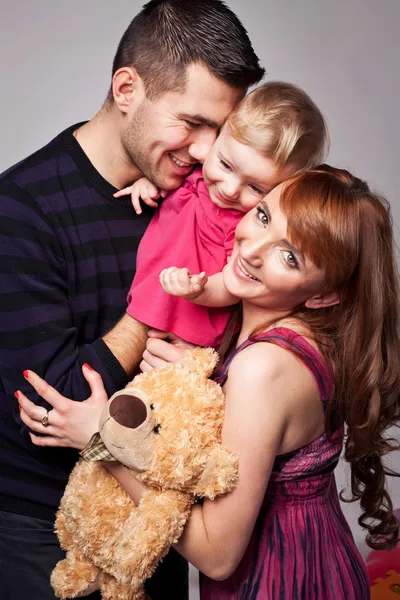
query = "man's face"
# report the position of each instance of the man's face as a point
(165, 137)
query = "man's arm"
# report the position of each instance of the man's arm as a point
(127, 341)
(38, 326)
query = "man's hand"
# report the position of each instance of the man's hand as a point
(69, 424)
(162, 348)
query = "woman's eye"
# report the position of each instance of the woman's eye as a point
(262, 216)
(256, 190)
(291, 259)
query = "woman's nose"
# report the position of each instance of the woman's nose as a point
(129, 411)
(253, 250)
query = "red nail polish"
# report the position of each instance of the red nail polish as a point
(16, 394)
(25, 374)
(88, 367)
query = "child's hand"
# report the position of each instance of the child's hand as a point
(180, 282)
(142, 189)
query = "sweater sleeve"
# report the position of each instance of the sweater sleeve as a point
(37, 328)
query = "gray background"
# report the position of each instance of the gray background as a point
(55, 64)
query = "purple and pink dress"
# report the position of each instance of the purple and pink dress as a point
(187, 230)
(301, 547)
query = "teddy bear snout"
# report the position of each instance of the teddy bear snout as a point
(129, 411)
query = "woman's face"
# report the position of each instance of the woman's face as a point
(266, 270)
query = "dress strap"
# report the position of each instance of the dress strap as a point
(293, 341)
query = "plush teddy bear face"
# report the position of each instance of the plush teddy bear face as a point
(165, 423)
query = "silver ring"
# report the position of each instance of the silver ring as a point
(45, 420)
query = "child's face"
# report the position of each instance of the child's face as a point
(236, 175)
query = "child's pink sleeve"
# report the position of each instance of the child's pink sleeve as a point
(230, 241)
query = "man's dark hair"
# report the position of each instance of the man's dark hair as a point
(168, 35)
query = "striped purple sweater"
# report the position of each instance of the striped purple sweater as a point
(67, 259)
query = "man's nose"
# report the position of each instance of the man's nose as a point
(202, 143)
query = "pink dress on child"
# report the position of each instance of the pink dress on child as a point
(302, 547)
(188, 230)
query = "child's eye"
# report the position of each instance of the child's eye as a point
(257, 190)
(225, 165)
(290, 259)
(262, 215)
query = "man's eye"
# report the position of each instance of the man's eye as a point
(191, 124)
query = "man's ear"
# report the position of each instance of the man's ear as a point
(323, 300)
(125, 85)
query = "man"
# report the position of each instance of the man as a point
(68, 252)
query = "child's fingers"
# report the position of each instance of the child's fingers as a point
(151, 191)
(203, 278)
(164, 193)
(149, 201)
(169, 279)
(198, 281)
(136, 203)
(182, 277)
(124, 192)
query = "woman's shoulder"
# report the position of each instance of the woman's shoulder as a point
(291, 358)
(261, 361)
(293, 328)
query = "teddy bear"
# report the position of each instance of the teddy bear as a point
(165, 426)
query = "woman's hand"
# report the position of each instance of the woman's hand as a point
(68, 424)
(162, 348)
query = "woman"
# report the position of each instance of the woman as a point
(318, 348)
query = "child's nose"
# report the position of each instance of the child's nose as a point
(231, 189)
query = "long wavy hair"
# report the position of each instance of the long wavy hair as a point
(344, 228)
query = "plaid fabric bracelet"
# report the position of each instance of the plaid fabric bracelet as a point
(96, 450)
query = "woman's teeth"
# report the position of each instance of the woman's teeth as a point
(243, 270)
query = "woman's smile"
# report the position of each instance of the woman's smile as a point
(241, 271)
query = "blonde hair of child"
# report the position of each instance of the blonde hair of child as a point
(281, 121)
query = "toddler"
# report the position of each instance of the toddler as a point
(275, 131)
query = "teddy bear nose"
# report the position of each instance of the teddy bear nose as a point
(129, 411)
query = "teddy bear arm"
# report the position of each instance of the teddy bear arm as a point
(152, 528)
(220, 474)
(110, 590)
(73, 575)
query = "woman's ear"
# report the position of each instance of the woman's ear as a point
(125, 85)
(323, 300)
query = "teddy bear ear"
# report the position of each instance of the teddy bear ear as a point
(220, 474)
(200, 360)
